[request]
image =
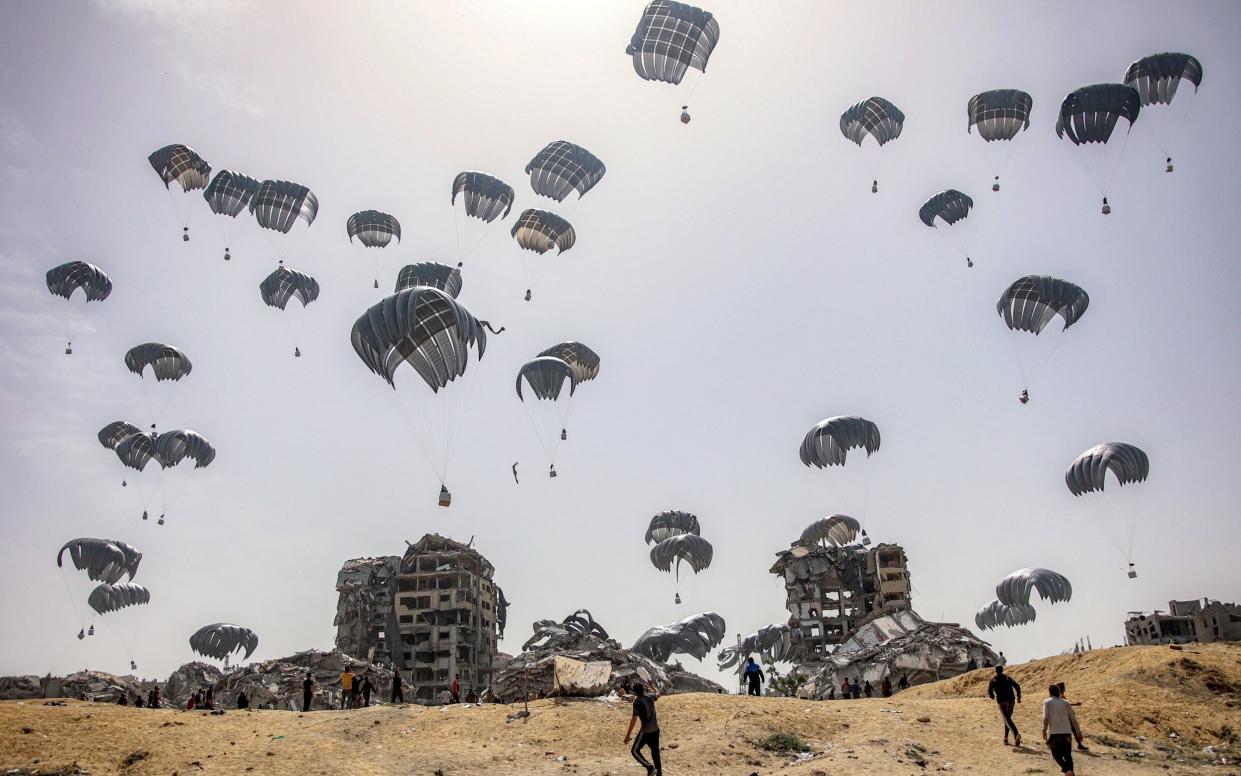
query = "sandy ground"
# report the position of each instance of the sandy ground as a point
(1152, 692)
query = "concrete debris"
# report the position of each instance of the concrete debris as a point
(187, 680)
(91, 685)
(277, 684)
(894, 645)
(575, 657)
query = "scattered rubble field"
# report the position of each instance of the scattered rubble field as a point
(1144, 709)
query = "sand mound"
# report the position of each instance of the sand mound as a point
(1149, 691)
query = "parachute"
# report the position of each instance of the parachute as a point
(63, 280)
(695, 636)
(1088, 118)
(112, 434)
(671, 38)
(1130, 465)
(879, 119)
(168, 364)
(220, 640)
(172, 447)
(430, 331)
(669, 524)
(1028, 305)
(540, 231)
(1157, 79)
(1015, 589)
(950, 208)
(167, 449)
(995, 614)
(373, 229)
(103, 560)
(277, 206)
(773, 643)
(283, 285)
(668, 554)
(485, 197)
(551, 406)
(432, 274)
(837, 530)
(1000, 115)
(562, 167)
(581, 359)
(110, 598)
(182, 165)
(828, 443)
(228, 194)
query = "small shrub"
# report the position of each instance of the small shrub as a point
(782, 742)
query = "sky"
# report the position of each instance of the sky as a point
(736, 276)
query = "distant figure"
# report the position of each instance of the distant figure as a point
(867, 689)
(648, 732)
(844, 688)
(308, 691)
(885, 689)
(367, 688)
(1064, 697)
(971, 666)
(156, 701)
(903, 684)
(398, 692)
(471, 696)
(831, 693)
(243, 702)
(200, 698)
(445, 697)
(151, 699)
(1003, 660)
(1060, 728)
(855, 690)
(455, 692)
(123, 700)
(209, 697)
(986, 662)
(189, 704)
(754, 677)
(138, 702)
(346, 687)
(1005, 691)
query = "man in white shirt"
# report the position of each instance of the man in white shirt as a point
(1059, 729)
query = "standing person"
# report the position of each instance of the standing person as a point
(156, 701)
(972, 665)
(868, 689)
(648, 732)
(844, 689)
(903, 684)
(189, 705)
(1003, 660)
(1005, 691)
(831, 693)
(753, 677)
(455, 692)
(885, 689)
(1060, 728)
(855, 690)
(308, 691)
(367, 688)
(1065, 697)
(209, 697)
(242, 701)
(398, 692)
(346, 688)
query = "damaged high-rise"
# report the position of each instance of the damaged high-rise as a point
(832, 589)
(438, 602)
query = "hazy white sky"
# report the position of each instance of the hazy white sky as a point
(736, 276)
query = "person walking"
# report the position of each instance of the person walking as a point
(867, 689)
(844, 689)
(308, 691)
(242, 701)
(346, 688)
(855, 690)
(1003, 660)
(1065, 697)
(1006, 692)
(156, 701)
(455, 692)
(367, 689)
(885, 689)
(903, 684)
(1060, 728)
(754, 677)
(648, 731)
(398, 692)
(209, 697)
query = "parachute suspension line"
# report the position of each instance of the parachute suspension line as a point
(77, 613)
(1025, 381)
(184, 219)
(685, 117)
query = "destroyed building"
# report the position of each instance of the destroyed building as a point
(1202, 620)
(433, 614)
(831, 589)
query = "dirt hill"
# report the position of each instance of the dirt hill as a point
(1144, 710)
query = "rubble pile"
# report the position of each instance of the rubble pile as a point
(277, 684)
(20, 688)
(893, 645)
(188, 679)
(91, 685)
(575, 657)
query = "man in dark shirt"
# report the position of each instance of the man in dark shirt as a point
(308, 691)
(398, 692)
(367, 688)
(1005, 691)
(754, 677)
(648, 732)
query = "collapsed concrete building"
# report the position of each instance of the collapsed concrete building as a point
(1202, 620)
(832, 589)
(434, 613)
